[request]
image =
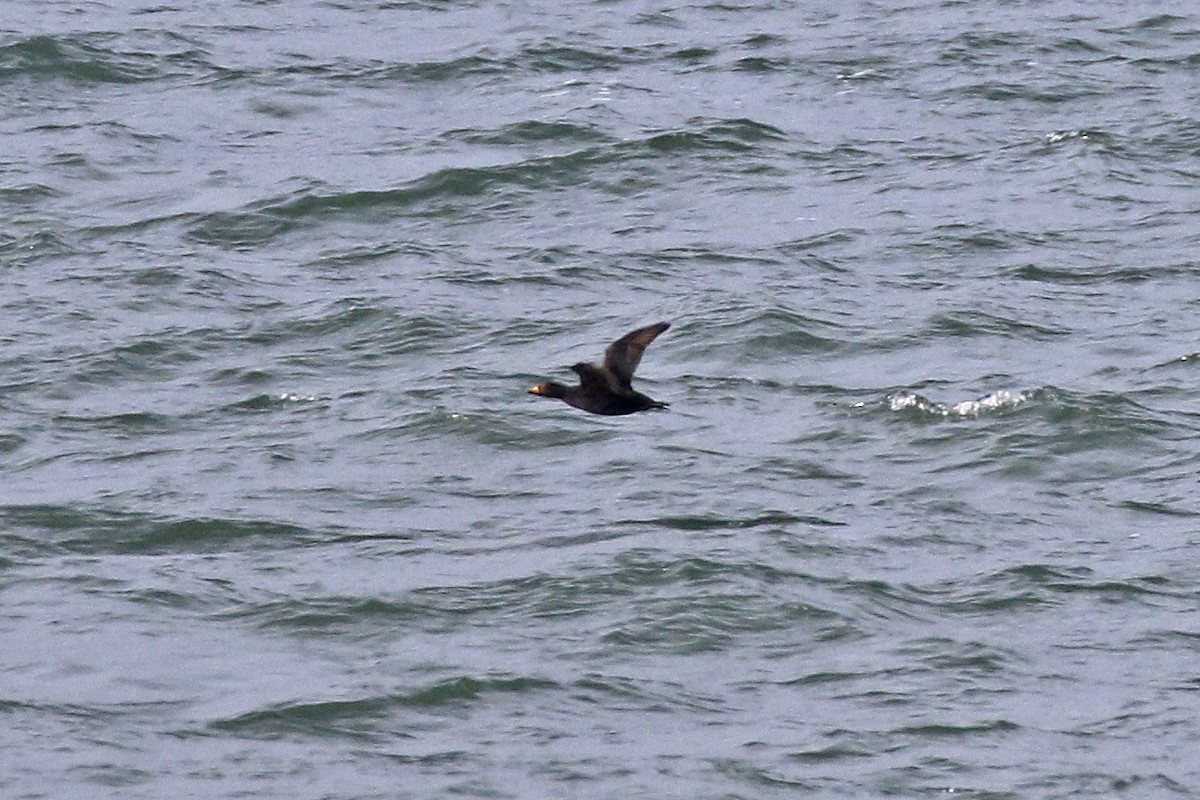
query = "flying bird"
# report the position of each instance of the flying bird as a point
(607, 390)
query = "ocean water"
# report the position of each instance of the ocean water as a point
(279, 520)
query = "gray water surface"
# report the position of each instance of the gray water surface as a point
(279, 520)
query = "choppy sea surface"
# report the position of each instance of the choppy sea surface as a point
(279, 520)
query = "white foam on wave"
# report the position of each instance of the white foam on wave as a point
(1002, 400)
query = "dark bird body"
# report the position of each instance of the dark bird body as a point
(607, 390)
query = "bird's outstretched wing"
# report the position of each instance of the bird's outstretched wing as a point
(623, 356)
(591, 377)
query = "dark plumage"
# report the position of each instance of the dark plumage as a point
(607, 390)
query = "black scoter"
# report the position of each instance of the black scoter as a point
(606, 390)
